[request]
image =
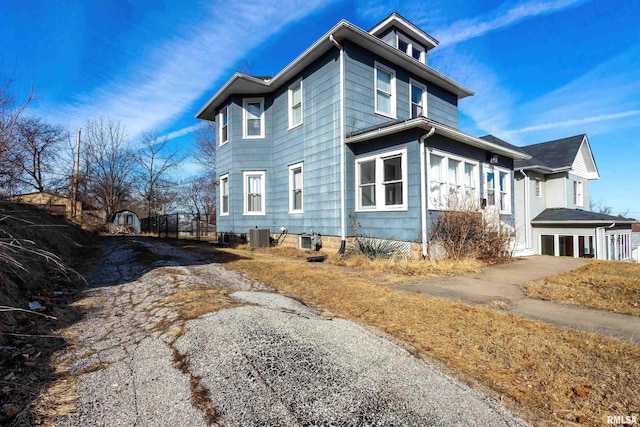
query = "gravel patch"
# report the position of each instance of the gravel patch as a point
(270, 361)
(267, 367)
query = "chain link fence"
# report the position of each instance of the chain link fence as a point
(180, 225)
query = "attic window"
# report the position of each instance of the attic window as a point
(411, 48)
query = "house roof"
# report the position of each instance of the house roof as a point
(559, 155)
(501, 148)
(242, 84)
(398, 21)
(564, 216)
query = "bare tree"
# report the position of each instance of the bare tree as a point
(154, 160)
(205, 147)
(199, 198)
(34, 152)
(109, 164)
(10, 111)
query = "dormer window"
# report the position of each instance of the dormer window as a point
(411, 48)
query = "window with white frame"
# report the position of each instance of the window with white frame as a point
(254, 194)
(385, 88)
(253, 118)
(296, 188)
(538, 184)
(224, 194)
(452, 181)
(410, 48)
(418, 99)
(382, 181)
(577, 193)
(497, 184)
(295, 104)
(224, 128)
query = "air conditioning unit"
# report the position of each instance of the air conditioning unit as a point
(304, 241)
(259, 238)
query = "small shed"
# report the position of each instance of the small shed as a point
(124, 222)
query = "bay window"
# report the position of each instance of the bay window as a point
(254, 190)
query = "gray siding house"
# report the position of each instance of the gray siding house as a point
(358, 124)
(552, 204)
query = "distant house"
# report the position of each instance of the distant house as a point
(57, 205)
(635, 242)
(124, 222)
(358, 125)
(552, 204)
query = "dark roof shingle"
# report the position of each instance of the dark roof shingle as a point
(577, 215)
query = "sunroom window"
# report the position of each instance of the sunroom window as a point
(452, 182)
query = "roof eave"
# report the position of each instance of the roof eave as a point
(341, 31)
(396, 20)
(426, 124)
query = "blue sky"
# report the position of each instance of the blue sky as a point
(541, 70)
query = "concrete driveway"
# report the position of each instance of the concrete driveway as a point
(259, 359)
(499, 286)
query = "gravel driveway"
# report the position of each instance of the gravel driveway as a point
(260, 359)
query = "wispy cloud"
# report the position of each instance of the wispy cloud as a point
(503, 17)
(181, 132)
(600, 98)
(177, 71)
(577, 122)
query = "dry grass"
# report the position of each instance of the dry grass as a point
(552, 376)
(193, 301)
(603, 285)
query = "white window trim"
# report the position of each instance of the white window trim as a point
(392, 101)
(226, 111)
(578, 195)
(245, 206)
(291, 198)
(379, 187)
(461, 172)
(222, 178)
(246, 101)
(298, 82)
(537, 187)
(424, 96)
(412, 46)
(497, 170)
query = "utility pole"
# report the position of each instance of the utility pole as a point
(76, 177)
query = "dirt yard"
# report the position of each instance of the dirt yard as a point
(169, 337)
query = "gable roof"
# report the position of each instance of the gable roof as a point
(564, 215)
(559, 155)
(502, 148)
(242, 84)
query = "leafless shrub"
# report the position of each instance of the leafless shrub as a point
(468, 232)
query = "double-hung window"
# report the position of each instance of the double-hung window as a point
(418, 99)
(295, 104)
(253, 118)
(296, 188)
(382, 181)
(224, 194)
(224, 126)
(385, 90)
(577, 193)
(498, 189)
(452, 181)
(254, 193)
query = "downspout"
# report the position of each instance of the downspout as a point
(343, 233)
(423, 191)
(527, 211)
